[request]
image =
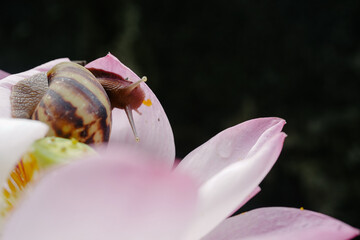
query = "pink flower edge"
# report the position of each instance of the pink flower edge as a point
(282, 223)
(230, 146)
(3, 74)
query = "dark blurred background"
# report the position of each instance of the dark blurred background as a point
(216, 64)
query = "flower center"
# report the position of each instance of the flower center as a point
(42, 154)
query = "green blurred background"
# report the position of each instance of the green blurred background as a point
(216, 64)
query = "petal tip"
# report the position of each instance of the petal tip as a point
(280, 121)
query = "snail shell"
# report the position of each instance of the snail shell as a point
(75, 105)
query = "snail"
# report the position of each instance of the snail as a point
(76, 102)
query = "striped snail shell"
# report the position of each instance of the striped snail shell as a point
(75, 105)
(75, 102)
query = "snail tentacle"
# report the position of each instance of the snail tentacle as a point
(132, 86)
(129, 114)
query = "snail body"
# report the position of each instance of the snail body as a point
(26, 95)
(74, 103)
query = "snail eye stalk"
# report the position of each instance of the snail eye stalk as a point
(129, 114)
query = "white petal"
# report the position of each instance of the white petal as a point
(16, 135)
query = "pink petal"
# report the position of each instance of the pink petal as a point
(222, 193)
(111, 64)
(152, 125)
(282, 224)
(252, 194)
(16, 135)
(106, 197)
(229, 147)
(3, 74)
(7, 83)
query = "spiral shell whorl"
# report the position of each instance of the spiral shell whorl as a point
(75, 105)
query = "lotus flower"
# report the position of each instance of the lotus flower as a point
(133, 192)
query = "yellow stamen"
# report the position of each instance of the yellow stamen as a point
(6, 193)
(11, 185)
(301, 208)
(74, 141)
(18, 179)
